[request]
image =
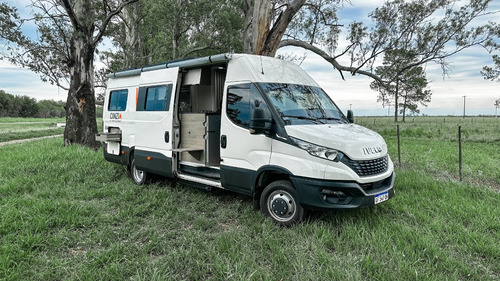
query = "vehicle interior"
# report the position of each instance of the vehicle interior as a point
(199, 114)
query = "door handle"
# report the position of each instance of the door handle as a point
(167, 137)
(223, 141)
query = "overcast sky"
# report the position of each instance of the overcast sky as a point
(354, 92)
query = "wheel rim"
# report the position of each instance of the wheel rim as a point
(138, 174)
(281, 205)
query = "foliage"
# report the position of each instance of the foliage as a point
(492, 73)
(156, 31)
(433, 30)
(24, 106)
(403, 86)
(68, 33)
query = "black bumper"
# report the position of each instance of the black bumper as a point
(328, 195)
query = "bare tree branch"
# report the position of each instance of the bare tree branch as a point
(108, 18)
(328, 58)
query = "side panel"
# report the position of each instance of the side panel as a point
(242, 153)
(153, 128)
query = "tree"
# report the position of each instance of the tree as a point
(69, 32)
(497, 106)
(50, 109)
(434, 30)
(188, 28)
(492, 73)
(401, 82)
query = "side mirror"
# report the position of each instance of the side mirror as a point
(259, 123)
(350, 116)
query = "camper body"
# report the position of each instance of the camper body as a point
(250, 124)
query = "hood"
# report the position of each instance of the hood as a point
(358, 143)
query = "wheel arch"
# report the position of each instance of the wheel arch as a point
(266, 175)
(131, 153)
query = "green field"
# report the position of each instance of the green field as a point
(16, 131)
(68, 214)
(26, 128)
(430, 145)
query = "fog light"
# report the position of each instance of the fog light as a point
(338, 194)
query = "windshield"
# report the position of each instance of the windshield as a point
(300, 104)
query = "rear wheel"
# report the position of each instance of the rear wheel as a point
(279, 201)
(138, 176)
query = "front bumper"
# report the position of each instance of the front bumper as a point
(328, 194)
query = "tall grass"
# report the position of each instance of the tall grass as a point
(68, 214)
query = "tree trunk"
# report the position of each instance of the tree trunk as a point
(257, 24)
(131, 17)
(258, 36)
(81, 125)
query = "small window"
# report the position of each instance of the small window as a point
(118, 100)
(158, 98)
(241, 100)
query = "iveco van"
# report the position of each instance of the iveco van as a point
(250, 124)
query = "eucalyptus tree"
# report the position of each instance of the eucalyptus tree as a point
(63, 53)
(434, 30)
(161, 30)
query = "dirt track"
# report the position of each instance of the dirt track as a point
(27, 140)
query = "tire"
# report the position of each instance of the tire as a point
(279, 201)
(139, 177)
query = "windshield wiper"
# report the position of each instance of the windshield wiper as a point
(333, 118)
(314, 120)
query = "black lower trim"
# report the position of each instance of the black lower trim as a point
(157, 163)
(237, 179)
(122, 158)
(340, 194)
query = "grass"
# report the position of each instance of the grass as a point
(26, 128)
(68, 214)
(39, 120)
(430, 145)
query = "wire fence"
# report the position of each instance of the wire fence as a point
(446, 146)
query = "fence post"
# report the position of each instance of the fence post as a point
(460, 152)
(399, 149)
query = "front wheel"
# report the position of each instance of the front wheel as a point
(279, 201)
(138, 176)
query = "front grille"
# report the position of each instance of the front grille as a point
(367, 167)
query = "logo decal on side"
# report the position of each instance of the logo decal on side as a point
(115, 116)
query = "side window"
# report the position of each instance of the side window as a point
(118, 100)
(241, 100)
(155, 98)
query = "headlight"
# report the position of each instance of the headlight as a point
(319, 151)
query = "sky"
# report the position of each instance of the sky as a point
(353, 93)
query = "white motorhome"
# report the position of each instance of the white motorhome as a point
(250, 124)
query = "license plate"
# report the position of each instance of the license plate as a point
(381, 197)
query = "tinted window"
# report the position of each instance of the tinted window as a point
(158, 98)
(241, 100)
(118, 100)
